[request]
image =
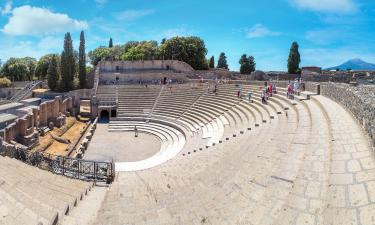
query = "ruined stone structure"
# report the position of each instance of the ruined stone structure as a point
(23, 130)
(126, 66)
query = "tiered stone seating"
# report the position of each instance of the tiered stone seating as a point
(308, 164)
(172, 141)
(136, 100)
(29, 195)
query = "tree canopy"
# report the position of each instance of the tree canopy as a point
(191, 50)
(294, 59)
(247, 64)
(222, 62)
(43, 64)
(19, 69)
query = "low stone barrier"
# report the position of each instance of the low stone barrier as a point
(90, 130)
(359, 100)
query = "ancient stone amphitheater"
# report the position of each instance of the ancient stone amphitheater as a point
(222, 160)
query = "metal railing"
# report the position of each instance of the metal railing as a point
(70, 167)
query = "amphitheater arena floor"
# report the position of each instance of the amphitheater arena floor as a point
(121, 146)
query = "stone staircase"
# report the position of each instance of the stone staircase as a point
(29, 195)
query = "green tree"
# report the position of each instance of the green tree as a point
(294, 59)
(252, 63)
(68, 65)
(212, 62)
(245, 65)
(98, 54)
(222, 62)
(43, 64)
(31, 65)
(191, 50)
(5, 82)
(19, 69)
(147, 50)
(82, 61)
(110, 45)
(52, 73)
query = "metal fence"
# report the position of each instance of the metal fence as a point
(70, 167)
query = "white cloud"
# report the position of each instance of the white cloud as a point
(326, 6)
(259, 30)
(28, 20)
(132, 14)
(7, 8)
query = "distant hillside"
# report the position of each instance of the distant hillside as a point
(354, 64)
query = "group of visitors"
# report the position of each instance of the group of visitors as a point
(267, 92)
(294, 88)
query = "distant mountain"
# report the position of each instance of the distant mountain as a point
(354, 64)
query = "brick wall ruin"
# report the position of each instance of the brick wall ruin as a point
(24, 131)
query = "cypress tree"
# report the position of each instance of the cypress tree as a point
(52, 74)
(67, 64)
(222, 62)
(294, 59)
(82, 61)
(212, 62)
(110, 45)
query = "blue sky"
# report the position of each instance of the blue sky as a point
(329, 32)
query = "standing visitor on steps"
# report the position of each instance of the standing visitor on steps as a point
(264, 97)
(250, 97)
(135, 131)
(289, 91)
(270, 90)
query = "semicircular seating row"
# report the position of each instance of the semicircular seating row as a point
(198, 118)
(310, 166)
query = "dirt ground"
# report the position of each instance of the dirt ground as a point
(70, 131)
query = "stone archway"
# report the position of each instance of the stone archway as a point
(113, 113)
(104, 116)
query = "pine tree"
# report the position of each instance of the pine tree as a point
(294, 59)
(52, 74)
(222, 62)
(67, 64)
(245, 65)
(252, 63)
(110, 45)
(212, 62)
(82, 61)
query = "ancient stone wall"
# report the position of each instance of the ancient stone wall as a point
(122, 66)
(137, 77)
(23, 129)
(359, 100)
